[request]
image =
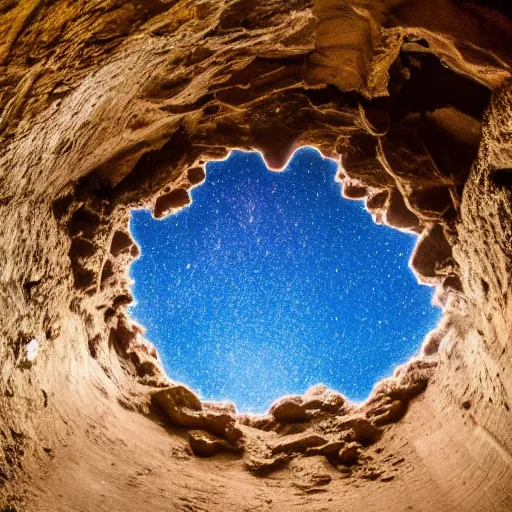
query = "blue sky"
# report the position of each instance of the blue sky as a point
(271, 282)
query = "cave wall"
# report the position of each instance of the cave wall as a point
(107, 106)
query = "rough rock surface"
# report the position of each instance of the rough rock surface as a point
(109, 105)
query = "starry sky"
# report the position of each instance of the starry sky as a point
(271, 282)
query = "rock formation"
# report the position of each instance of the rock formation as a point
(110, 105)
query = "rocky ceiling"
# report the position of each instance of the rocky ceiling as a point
(107, 105)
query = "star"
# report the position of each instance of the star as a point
(270, 282)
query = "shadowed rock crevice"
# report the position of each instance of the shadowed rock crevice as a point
(111, 106)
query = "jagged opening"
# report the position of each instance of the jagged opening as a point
(270, 283)
(397, 154)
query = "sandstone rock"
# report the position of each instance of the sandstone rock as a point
(171, 201)
(107, 106)
(174, 400)
(121, 242)
(221, 407)
(311, 472)
(196, 175)
(359, 429)
(260, 421)
(349, 454)
(431, 252)
(204, 444)
(184, 409)
(298, 408)
(261, 466)
(289, 409)
(321, 398)
(328, 449)
(397, 214)
(371, 473)
(297, 443)
(389, 411)
(223, 425)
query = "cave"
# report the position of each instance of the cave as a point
(110, 106)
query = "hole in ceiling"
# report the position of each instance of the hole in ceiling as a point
(271, 282)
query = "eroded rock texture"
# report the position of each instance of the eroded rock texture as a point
(108, 105)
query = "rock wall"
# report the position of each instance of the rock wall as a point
(108, 105)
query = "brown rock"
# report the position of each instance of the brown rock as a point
(397, 214)
(360, 429)
(204, 444)
(311, 472)
(324, 399)
(173, 200)
(175, 401)
(196, 175)
(220, 407)
(184, 409)
(349, 454)
(107, 106)
(289, 409)
(329, 449)
(263, 465)
(297, 443)
(298, 408)
(431, 254)
(121, 242)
